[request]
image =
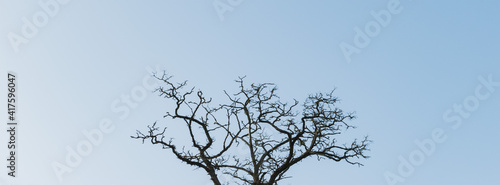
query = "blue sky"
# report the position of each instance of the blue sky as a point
(88, 57)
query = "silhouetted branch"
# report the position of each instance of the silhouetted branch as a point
(273, 133)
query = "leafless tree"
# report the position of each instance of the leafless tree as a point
(275, 135)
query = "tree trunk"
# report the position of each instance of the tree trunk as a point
(213, 177)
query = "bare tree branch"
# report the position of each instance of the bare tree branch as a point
(274, 133)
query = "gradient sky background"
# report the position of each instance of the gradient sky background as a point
(428, 58)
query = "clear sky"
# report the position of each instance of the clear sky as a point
(423, 77)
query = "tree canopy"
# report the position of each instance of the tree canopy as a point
(277, 135)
